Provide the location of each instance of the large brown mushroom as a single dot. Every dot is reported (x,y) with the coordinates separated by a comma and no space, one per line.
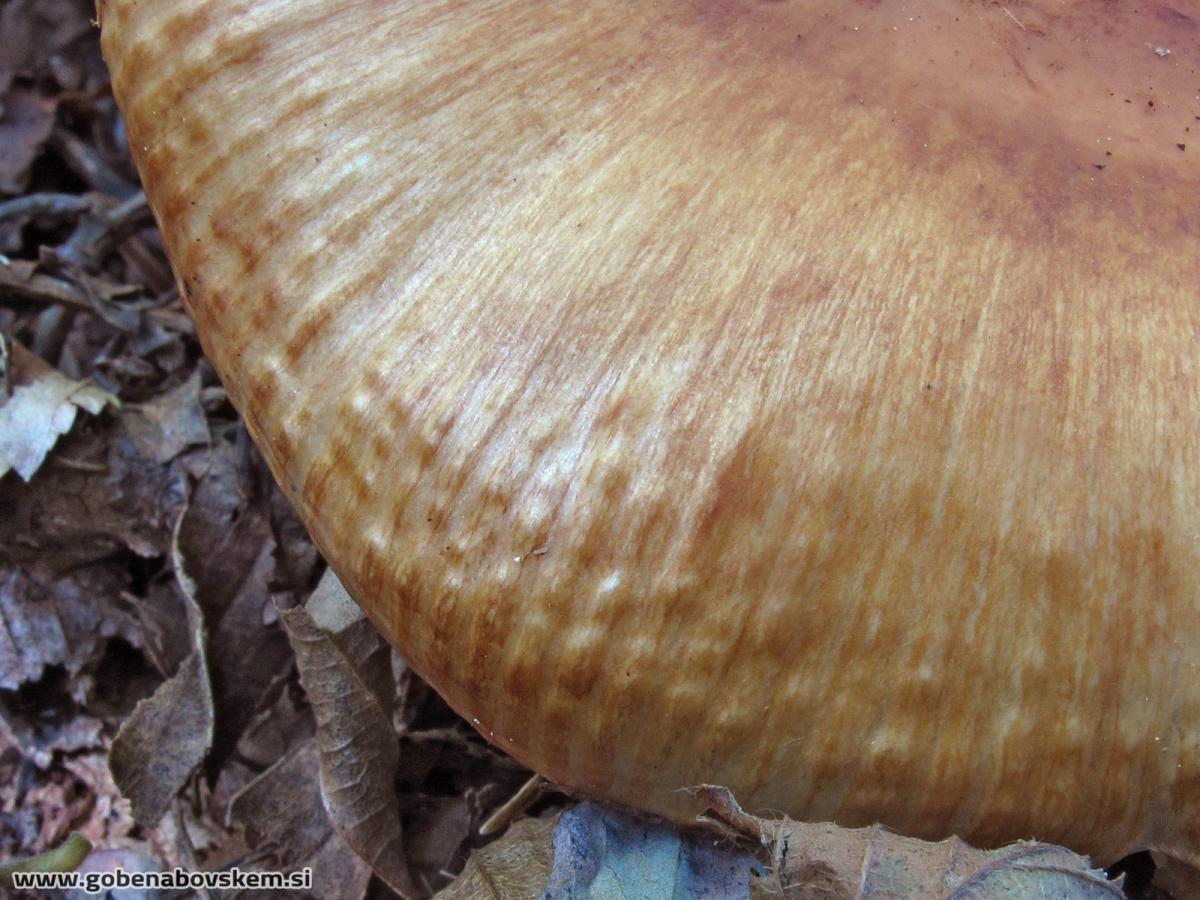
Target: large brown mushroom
(797,396)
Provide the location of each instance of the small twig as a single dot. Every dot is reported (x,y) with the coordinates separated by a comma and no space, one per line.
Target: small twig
(56,206)
(48,290)
(87,164)
(42,289)
(77,465)
(520,801)
(102,231)
(5,367)
(50,330)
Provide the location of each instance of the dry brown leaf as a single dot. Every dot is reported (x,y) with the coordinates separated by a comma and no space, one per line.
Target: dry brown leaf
(169,733)
(1176,877)
(163,742)
(820,861)
(56,621)
(56,730)
(286,721)
(281,810)
(26,120)
(226,524)
(109,822)
(104,498)
(335,612)
(246,652)
(165,426)
(339,872)
(359,753)
(282,813)
(41,409)
(514,867)
(31,635)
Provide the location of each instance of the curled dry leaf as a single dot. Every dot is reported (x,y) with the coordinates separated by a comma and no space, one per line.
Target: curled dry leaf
(169,733)
(340,617)
(246,654)
(42,407)
(226,524)
(359,753)
(283,815)
(810,860)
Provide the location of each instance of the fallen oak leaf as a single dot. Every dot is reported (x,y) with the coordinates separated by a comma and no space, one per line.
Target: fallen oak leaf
(359,751)
(42,407)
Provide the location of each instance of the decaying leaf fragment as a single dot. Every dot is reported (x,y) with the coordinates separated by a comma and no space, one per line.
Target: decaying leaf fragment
(282,813)
(359,753)
(169,733)
(26,120)
(42,408)
(518,865)
(821,860)
(163,427)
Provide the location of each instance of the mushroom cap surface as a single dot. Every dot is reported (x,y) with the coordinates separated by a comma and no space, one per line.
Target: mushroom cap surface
(798,397)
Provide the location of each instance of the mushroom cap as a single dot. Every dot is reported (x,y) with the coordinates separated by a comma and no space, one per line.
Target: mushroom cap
(793,396)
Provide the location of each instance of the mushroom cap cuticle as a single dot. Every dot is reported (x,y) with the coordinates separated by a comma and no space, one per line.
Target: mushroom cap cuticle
(797,397)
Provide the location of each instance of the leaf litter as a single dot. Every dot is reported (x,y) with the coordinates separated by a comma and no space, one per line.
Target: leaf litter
(178,683)
(357,746)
